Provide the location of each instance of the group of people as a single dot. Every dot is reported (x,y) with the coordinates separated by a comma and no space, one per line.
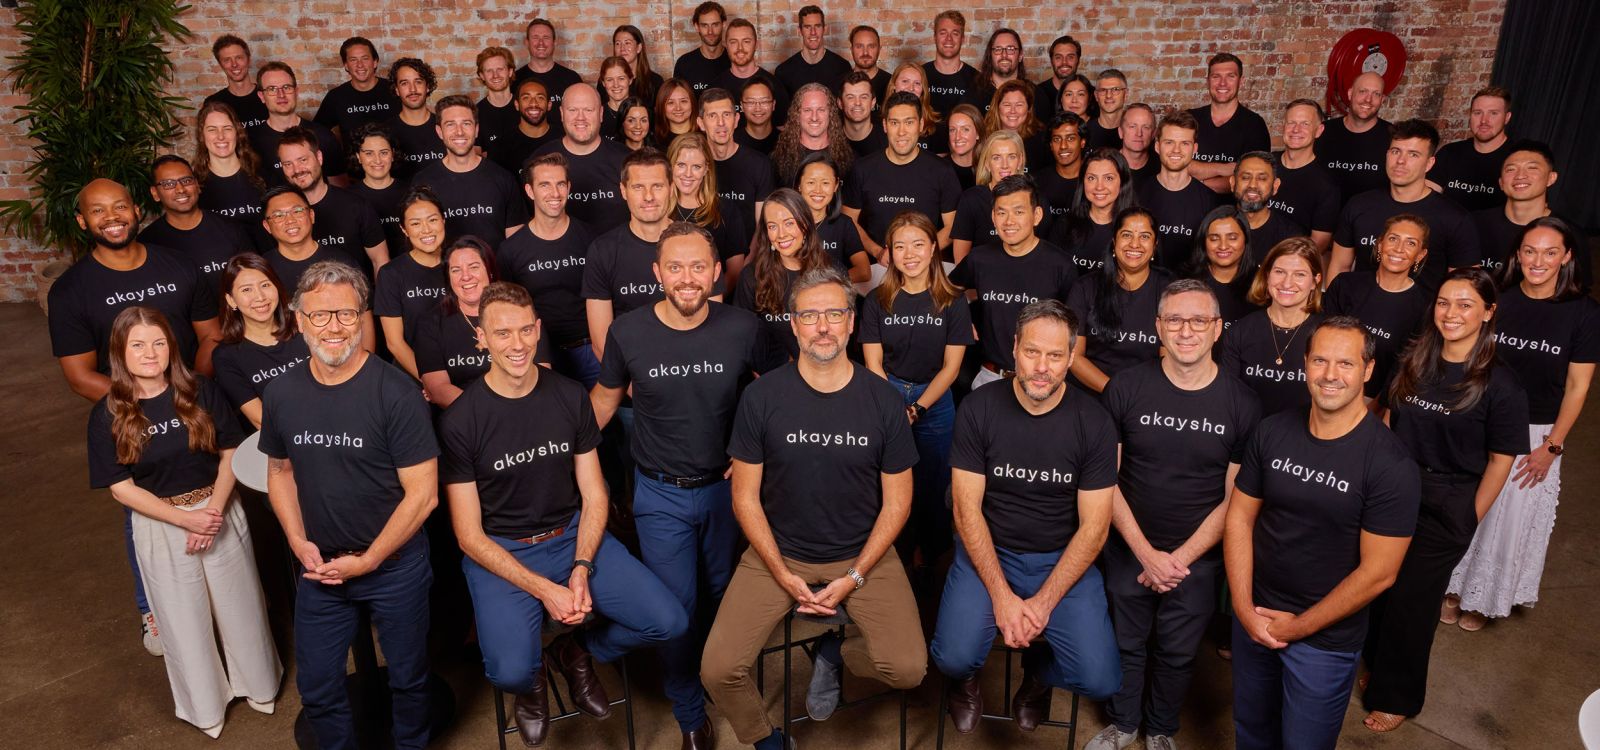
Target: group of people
(973,324)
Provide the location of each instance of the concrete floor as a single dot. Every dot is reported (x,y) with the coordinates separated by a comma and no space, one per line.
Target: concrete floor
(72,673)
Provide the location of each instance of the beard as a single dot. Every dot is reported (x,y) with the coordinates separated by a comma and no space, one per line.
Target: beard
(688,310)
(1250,207)
(1040,395)
(331,359)
(105,242)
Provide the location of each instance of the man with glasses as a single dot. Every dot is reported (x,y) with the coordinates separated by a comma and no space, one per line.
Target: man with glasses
(1002,61)
(206,239)
(276,86)
(351,473)
(756,104)
(289,220)
(1111,92)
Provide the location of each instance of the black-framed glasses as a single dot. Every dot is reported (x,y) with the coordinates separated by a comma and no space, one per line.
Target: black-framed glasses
(321,318)
(170,184)
(1197,323)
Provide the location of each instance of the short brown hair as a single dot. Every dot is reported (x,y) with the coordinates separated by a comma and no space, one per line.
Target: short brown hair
(492,52)
(508,293)
(456,100)
(1499,92)
(951,15)
(1178,119)
(275,65)
(1300,247)
(709,6)
(1225,57)
(225,41)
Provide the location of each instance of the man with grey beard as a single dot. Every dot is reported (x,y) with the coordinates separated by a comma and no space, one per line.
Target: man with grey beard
(351,473)
(1254,183)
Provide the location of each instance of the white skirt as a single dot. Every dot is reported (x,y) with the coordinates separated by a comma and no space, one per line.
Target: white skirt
(1502,568)
(191,594)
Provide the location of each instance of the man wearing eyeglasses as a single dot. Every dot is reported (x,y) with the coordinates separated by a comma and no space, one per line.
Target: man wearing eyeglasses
(344,220)
(289,219)
(204,238)
(1002,61)
(277,88)
(352,471)
(1182,424)
(822,456)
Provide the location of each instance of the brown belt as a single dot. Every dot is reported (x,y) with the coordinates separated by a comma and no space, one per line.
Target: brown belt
(994,368)
(188,498)
(536,538)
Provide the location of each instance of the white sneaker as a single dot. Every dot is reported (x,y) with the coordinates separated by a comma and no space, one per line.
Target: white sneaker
(266,707)
(152,635)
(1159,742)
(1112,738)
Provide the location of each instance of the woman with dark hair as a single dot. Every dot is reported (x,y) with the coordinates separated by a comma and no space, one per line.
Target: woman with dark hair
(259,337)
(1463,417)
(1001,155)
(1011,108)
(818,181)
(675,110)
(1077,97)
(162,440)
(228,170)
(695,199)
(449,355)
(786,247)
(627,42)
(1389,303)
(634,129)
(1549,334)
(914,330)
(1117,304)
(1105,192)
(410,286)
(615,83)
(1267,349)
(1222,259)
(372,169)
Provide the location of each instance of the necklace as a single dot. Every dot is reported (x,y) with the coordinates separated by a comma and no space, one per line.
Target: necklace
(1272,327)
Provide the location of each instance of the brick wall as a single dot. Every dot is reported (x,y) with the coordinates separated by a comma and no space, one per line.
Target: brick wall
(1162,46)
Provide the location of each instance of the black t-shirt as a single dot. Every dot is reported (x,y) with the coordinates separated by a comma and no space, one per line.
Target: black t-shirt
(1232,300)
(743,180)
(1030,493)
(483,202)
(514,148)
(552,272)
(1134,340)
(822,457)
(1246,131)
(876,140)
(1146,173)
(1056,193)
(974,216)
(408,290)
(419,144)
(1089,253)
(1317,497)
(209,245)
(1250,352)
(289,271)
(265,142)
(761,145)
(1100,136)
(595,177)
(1447,440)
(1308,195)
(829,71)
(347,109)
(700,71)
(1004,285)
(1393,318)
(880,84)
(726,79)
(88,297)
(249,110)
(880,189)
(840,240)
(1498,243)
(1354,160)
(776,333)
(619,269)
(946,91)
(556,81)
(236,199)
(1176,447)
(347,443)
(1539,338)
(1277,228)
(966,177)
(1468,177)
(166,467)
(496,124)
(1452,237)
(685,384)
(729,236)
(385,203)
(1178,214)
(346,223)
(244,369)
(448,343)
(913,335)
(521,452)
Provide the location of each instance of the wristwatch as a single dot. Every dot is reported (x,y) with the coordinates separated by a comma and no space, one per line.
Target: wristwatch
(920,410)
(585,564)
(860,580)
(1555,448)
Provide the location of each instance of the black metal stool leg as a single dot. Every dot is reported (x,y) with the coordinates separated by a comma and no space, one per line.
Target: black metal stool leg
(1072,732)
(627,698)
(903,700)
(944,709)
(788,645)
(500,717)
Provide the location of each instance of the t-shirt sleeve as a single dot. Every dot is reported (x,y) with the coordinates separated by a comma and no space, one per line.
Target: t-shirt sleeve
(1344,232)
(949,188)
(588,437)
(1115,399)
(851,196)
(70,331)
(1586,342)
(1247,410)
(1325,213)
(1464,248)
(870,327)
(1257,137)
(850,244)
(1333,300)
(428,349)
(961,275)
(1508,417)
(223,416)
(203,303)
(966,223)
(230,378)
(1097,469)
(597,273)
(899,446)
(966,447)
(457,459)
(958,323)
(371,229)
(386,293)
(410,428)
(516,202)
(613,364)
(104,470)
(271,443)
(1229,361)
(1079,301)
(1391,499)
(747,442)
(1249,479)
(325,115)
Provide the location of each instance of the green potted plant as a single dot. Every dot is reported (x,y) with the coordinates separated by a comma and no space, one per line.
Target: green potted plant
(96,77)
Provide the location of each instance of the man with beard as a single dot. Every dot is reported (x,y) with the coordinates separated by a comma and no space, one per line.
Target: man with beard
(822,456)
(533,127)
(859,106)
(498,115)
(1467,171)
(288,219)
(1111,93)
(1002,61)
(1322,511)
(1175,197)
(1137,132)
(901,177)
(476,195)
(276,88)
(684,359)
(814,63)
(1032,516)
(1306,192)
(745,176)
(542,65)
(344,222)
(415,128)
(593,163)
(950,81)
(1226,128)
(701,65)
(1065,53)
(743,46)
(207,240)
(1254,183)
(364,98)
(233,56)
(1351,147)
(864,49)
(351,474)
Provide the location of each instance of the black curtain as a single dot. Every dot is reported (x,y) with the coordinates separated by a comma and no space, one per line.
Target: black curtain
(1550,60)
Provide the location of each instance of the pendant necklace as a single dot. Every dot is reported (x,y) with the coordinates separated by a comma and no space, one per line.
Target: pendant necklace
(1273,327)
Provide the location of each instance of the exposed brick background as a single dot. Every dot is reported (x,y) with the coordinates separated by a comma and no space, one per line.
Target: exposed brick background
(1162,46)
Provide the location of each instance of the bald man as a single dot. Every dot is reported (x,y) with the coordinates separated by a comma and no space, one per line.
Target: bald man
(1352,147)
(594,164)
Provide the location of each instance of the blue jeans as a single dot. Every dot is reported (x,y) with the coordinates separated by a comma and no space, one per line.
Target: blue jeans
(637,609)
(929,526)
(687,536)
(139,599)
(1079,634)
(577,363)
(396,594)
(1293,697)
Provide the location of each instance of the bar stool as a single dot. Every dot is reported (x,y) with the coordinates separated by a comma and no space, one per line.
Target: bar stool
(552,629)
(1071,724)
(822,626)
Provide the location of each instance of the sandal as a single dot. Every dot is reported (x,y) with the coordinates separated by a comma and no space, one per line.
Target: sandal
(1450,610)
(1381,722)
(1472,622)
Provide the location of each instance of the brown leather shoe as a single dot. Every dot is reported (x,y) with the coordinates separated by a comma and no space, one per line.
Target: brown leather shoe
(966,704)
(703,738)
(583,685)
(1031,704)
(532,713)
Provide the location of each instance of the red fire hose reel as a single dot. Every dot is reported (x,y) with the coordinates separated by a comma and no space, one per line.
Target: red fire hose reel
(1363,51)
